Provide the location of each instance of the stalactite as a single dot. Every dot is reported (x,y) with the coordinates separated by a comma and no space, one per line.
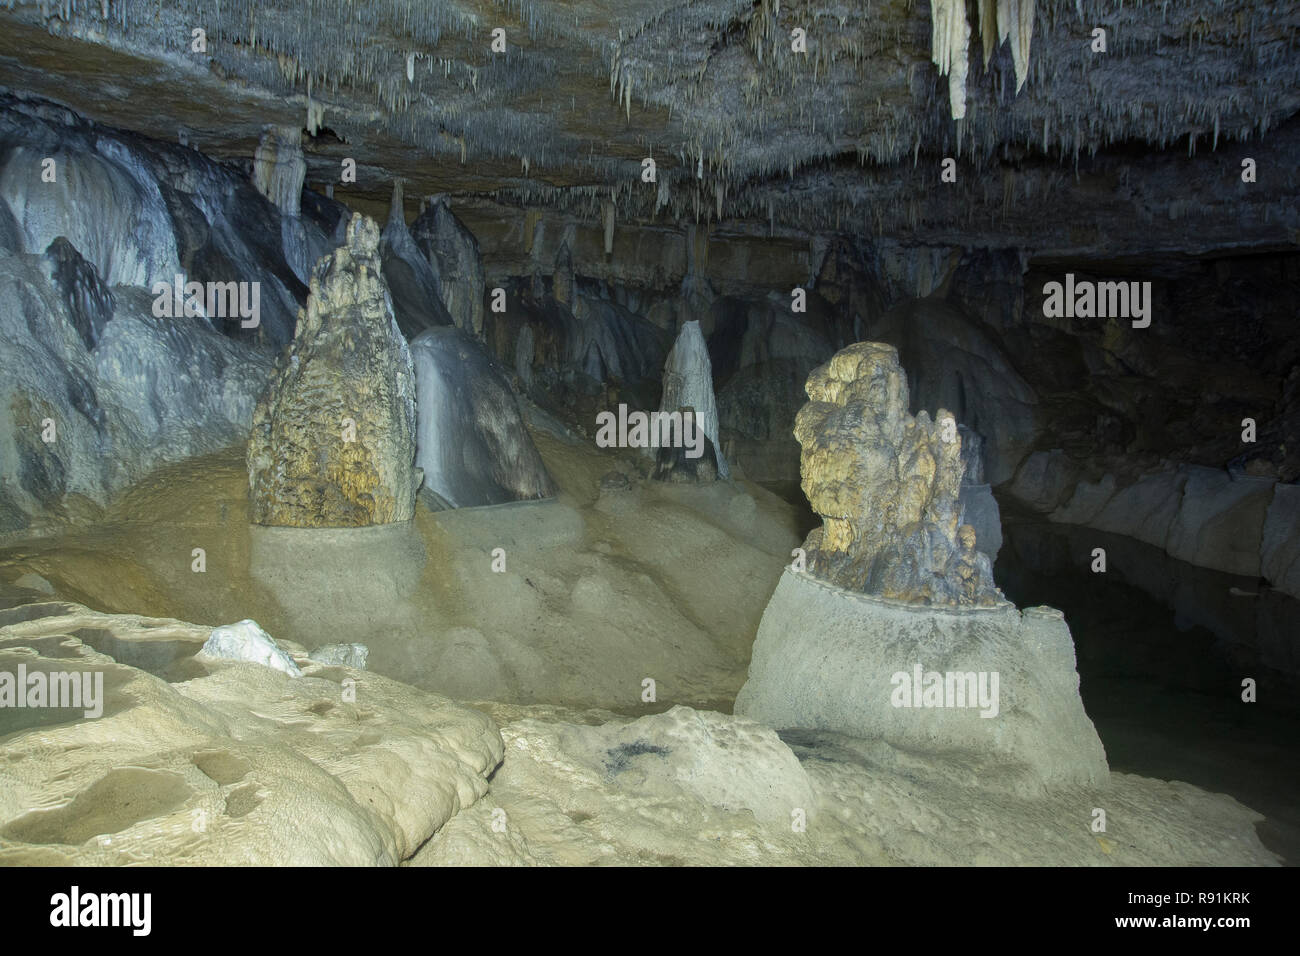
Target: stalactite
(949,46)
(1016,22)
(988,28)
(608,214)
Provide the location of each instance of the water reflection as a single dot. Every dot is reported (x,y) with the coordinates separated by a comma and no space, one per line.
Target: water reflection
(1163,647)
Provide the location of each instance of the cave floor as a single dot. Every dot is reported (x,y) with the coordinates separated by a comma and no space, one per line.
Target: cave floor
(602,589)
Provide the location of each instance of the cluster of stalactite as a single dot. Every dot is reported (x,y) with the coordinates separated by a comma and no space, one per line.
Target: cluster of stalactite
(1000,21)
(743,123)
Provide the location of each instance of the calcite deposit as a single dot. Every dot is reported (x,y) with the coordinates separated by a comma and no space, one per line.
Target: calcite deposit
(886,485)
(333,439)
(199,760)
(688,390)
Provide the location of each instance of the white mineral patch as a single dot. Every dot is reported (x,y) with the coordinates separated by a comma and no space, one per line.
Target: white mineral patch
(245,641)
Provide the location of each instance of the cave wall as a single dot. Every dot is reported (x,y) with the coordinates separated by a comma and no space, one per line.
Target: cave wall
(1080,419)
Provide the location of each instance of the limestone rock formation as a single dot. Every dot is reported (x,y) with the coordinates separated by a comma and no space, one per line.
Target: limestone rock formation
(889,107)
(279,168)
(410,278)
(471,441)
(89,302)
(129,238)
(994,684)
(336,767)
(886,486)
(578,351)
(349,655)
(453,252)
(1208,517)
(95,392)
(160,209)
(587,789)
(333,439)
(279,171)
(688,384)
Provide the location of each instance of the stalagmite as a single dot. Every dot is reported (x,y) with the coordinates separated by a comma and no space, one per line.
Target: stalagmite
(688,384)
(348,363)
(886,485)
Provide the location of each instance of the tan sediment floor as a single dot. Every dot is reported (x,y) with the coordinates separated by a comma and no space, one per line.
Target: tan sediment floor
(195,760)
(601,589)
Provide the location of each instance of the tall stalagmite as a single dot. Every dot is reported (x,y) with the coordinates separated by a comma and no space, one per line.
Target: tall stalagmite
(688,383)
(333,439)
(886,485)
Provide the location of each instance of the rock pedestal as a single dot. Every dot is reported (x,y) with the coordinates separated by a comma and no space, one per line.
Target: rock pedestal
(996,685)
(930,658)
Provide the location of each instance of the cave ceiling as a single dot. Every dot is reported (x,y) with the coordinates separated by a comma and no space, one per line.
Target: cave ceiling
(1131,151)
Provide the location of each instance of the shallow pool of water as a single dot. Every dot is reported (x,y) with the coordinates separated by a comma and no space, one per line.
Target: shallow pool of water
(1163,648)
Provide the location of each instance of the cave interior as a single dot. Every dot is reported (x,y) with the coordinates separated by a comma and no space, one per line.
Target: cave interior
(338,339)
